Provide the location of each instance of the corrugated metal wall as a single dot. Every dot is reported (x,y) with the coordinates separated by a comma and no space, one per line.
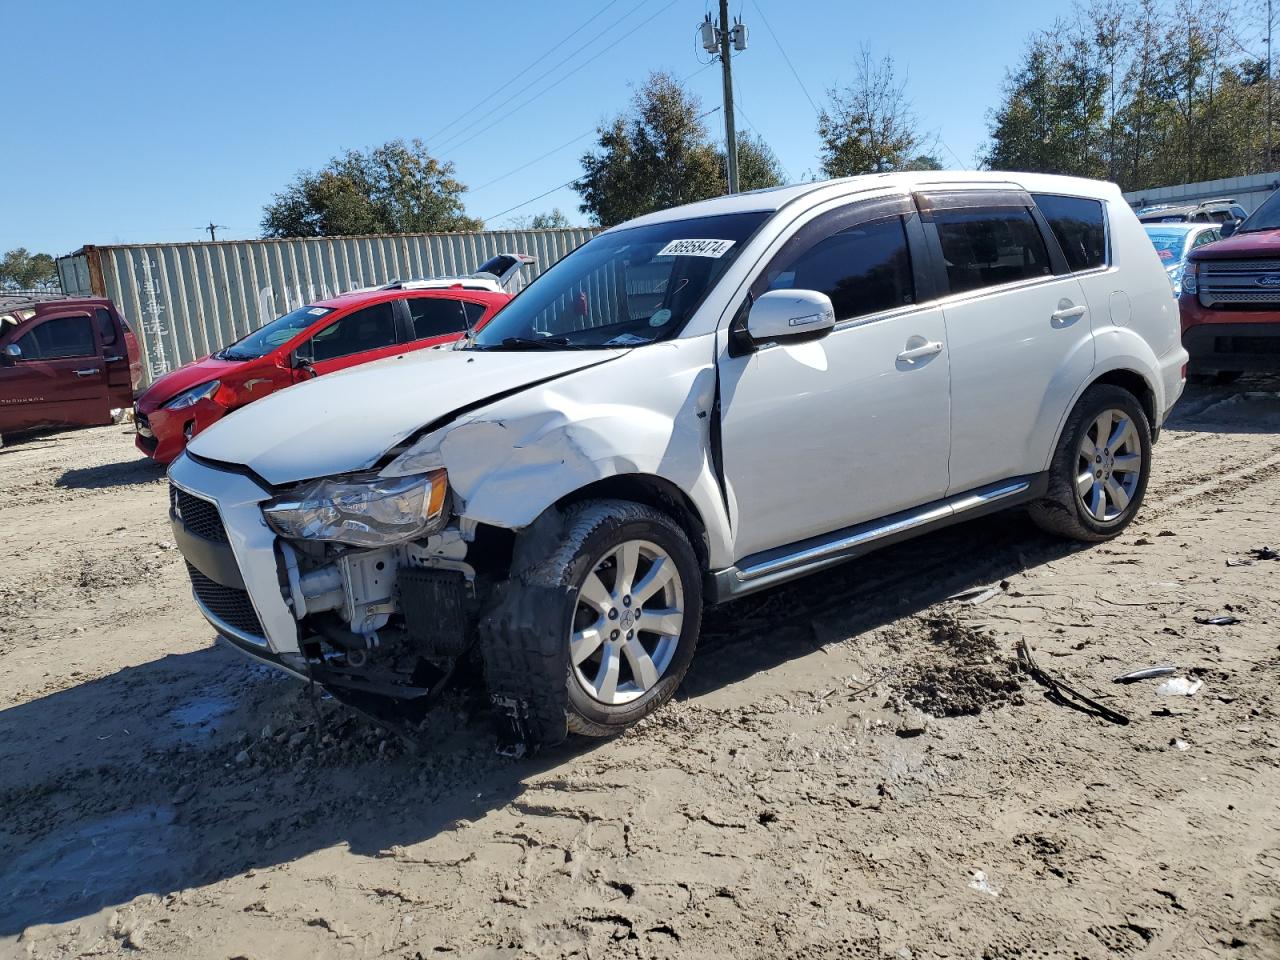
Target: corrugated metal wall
(188,299)
(1249,192)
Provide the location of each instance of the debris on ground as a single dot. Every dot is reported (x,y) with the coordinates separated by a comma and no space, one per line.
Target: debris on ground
(1146,673)
(976,595)
(979,880)
(1179,687)
(1264,553)
(1059,692)
(1222,621)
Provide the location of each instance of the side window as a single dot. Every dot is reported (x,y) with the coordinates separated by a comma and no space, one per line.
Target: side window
(435,317)
(1080,228)
(474,312)
(58,339)
(366,329)
(864,269)
(986,248)
(106,326)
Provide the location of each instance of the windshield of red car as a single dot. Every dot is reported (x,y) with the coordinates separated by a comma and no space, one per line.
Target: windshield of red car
(279,331)
(1266,217)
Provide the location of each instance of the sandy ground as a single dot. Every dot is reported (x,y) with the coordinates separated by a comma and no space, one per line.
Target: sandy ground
(161,797)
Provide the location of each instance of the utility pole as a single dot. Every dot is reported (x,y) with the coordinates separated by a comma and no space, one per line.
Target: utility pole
(721,40)
(213,229)
(1270,22)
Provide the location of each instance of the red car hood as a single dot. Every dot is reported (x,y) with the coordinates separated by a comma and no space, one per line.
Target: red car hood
(184,378)
(1264,243)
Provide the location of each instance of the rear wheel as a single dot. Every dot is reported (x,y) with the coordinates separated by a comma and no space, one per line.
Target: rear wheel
(1099,472)
(637,610)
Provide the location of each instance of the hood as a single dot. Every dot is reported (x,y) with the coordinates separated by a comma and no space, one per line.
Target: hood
(1263,243)
(184,378)
(345,421)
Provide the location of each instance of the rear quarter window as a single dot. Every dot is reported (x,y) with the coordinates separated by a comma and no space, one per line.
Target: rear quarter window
(1080,227)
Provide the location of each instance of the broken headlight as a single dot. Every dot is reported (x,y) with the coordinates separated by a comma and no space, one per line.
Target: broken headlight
(369,511)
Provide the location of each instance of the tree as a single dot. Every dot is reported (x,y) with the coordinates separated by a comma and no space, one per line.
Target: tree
(553,220)
(395,188)
(23,270)
(758,167)
(871,126)
(654,157)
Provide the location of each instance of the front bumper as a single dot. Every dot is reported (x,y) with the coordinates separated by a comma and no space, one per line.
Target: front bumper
(1216,347)
(163,433)
(217,521)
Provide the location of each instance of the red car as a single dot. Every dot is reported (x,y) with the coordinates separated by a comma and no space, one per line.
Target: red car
(318,338)
(64,363)
(1230,302)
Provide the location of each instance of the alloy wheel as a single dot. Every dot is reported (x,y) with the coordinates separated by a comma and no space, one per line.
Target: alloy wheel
(627,622)
(1109,466)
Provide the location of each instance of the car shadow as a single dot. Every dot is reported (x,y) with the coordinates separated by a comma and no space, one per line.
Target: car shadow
(170,774)
(122,474)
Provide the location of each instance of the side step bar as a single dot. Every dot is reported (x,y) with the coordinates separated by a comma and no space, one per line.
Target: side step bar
(773,567)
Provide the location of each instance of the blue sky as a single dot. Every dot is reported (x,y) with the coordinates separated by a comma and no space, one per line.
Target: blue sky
(148,119)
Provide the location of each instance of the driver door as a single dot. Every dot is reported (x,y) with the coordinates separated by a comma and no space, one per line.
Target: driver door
(357,337)
(826,434)
(59,380)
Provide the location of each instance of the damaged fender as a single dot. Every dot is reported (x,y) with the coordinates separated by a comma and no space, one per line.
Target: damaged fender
(512,459)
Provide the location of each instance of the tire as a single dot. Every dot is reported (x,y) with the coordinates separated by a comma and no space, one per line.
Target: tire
(1073,512)
(590,546)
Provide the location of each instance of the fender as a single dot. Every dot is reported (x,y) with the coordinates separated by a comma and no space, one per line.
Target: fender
(1121,349)
(514,458)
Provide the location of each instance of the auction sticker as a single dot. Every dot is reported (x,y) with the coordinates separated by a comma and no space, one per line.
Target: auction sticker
(695,248)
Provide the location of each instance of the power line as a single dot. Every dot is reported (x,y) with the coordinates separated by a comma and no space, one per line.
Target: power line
(545,90)
(783,51)
(567,183)
(523,166)
(451,142)
(556,46)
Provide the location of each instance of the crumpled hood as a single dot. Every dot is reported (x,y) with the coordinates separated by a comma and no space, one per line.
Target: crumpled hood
(346,421)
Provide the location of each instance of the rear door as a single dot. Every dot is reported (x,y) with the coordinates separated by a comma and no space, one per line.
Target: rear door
(115,357)
(59,379)
(354,338)
(434,320)
(1018,331)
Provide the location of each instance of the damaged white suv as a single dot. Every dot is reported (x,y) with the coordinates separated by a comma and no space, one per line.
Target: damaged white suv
(694,405)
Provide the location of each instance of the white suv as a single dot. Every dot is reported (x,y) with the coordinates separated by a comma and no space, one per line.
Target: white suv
(694,405)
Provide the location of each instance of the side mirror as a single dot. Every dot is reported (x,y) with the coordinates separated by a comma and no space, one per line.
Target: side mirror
(11,353)
(1228,228)
(302,363)
(790,316)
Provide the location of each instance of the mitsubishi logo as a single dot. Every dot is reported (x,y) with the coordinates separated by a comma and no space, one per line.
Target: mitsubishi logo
(1269,280)
(177,506)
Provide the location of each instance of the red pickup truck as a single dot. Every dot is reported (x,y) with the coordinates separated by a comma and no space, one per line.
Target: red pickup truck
(1230,302)
(65,363)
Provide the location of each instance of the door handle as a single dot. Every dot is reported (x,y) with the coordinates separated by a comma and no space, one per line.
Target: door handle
(111,359)
(929,349)
(1068,314)
(87,371)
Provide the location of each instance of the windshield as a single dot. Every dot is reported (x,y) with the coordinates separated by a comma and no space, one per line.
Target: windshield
(622,289)
(1169,244)
(280,330)
(1266,217)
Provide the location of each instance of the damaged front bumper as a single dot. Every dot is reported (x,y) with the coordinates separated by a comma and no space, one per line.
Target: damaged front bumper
(318,620)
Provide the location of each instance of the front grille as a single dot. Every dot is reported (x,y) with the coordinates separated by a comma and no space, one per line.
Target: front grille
(200,517)
(233,607)
(1255,283)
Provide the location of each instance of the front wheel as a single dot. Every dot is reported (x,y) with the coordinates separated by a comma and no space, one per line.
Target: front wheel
(1099,472)
(637,611)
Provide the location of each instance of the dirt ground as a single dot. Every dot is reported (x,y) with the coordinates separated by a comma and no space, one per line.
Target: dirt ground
(161,797)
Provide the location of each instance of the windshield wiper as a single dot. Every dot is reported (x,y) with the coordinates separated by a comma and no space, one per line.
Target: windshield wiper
(540,343)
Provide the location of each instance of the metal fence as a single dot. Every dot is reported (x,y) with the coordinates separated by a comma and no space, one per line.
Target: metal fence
(186,300)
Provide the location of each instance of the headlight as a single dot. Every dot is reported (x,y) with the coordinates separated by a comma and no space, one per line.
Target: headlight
(189,398)
(362,511)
